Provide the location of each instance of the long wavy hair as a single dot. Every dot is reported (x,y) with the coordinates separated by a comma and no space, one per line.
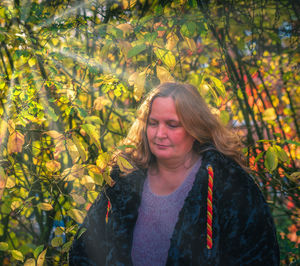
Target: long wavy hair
(196,118)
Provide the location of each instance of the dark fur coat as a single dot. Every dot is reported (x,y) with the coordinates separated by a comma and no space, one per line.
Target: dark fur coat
(243,229)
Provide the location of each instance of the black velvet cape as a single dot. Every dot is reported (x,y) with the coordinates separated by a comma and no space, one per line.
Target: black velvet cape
(243,229)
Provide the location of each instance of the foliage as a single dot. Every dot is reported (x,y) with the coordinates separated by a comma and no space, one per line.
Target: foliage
(73,73)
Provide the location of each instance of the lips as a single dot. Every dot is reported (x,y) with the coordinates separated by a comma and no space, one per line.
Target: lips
(161,146)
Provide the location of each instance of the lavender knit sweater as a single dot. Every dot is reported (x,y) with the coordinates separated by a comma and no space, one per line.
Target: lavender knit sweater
(156,221)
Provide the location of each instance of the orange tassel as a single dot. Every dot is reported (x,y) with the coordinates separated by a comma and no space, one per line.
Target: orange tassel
(107,211)
(209,207)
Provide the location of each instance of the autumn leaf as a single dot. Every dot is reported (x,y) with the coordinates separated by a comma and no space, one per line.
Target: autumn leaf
(88,182)
(93,133)
(82,152)
(45,206)
(53,166)
(17,255)
(163,74)
(124,164)
(15,142)
(3,246)
(76,215)
(172,40)
(166,56)
(41,258)
(30,262)
(72,149)
(3,178)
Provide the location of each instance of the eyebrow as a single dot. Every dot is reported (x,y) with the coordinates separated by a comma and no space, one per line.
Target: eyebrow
(169,120)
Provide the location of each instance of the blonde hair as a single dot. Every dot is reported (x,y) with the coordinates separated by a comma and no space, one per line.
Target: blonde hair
(196,118)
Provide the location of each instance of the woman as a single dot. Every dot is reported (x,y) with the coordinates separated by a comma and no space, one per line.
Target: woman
(188,201)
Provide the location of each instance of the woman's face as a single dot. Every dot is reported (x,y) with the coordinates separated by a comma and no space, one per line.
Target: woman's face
(166,136)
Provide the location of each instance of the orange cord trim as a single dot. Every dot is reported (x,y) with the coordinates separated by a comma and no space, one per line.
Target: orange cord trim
(209,242)
(107,211)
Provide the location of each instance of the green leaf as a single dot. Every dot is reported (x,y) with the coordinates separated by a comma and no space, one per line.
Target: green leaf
(66,246)
(271,160)
(52,114)
(17,255)
(136,50)
(219,86)
(93,133)
(81,231)
(80,148)
(282,156)
(188,29)
(41,258)
(3,246)
(57,241)
(225,117)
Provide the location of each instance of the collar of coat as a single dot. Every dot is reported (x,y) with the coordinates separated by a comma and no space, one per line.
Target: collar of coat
(125,198)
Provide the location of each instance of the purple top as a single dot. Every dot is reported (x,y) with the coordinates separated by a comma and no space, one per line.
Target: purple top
(156,222)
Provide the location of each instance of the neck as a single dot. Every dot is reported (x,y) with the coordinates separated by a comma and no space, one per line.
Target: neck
(175,166)
(167,175)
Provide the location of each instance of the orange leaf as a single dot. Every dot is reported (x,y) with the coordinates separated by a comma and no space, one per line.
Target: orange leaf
(15,142)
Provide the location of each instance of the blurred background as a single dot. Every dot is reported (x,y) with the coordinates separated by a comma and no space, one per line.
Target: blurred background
(73,72)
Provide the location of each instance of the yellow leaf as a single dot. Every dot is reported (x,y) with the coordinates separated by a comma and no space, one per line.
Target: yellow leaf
(163,74)
(10,182)
(31,62)
(72,149)
(15,205)
(78,198)
(128,3)
(55,41)
(191,44)
(124,164)
(11,126)
(93,133)
(3,130)
(17,255)
(88,182)
(29,262)
(100,102)
(92,196)
(102,160)
(53,166)
(76,215)
(15,142)
(172,40)
(3,246)
(132,78)
(139,85)
(45,206)
(167,57)
(80,148)
(108,179)
(125,27)
(54,134)
(269,114)
(41,258)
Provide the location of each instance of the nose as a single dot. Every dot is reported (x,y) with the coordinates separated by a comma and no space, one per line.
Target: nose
(161,131)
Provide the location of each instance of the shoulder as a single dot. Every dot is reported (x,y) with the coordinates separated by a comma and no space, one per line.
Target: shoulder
(231,181)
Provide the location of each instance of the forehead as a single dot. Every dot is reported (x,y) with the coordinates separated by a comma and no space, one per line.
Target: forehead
(163,108)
